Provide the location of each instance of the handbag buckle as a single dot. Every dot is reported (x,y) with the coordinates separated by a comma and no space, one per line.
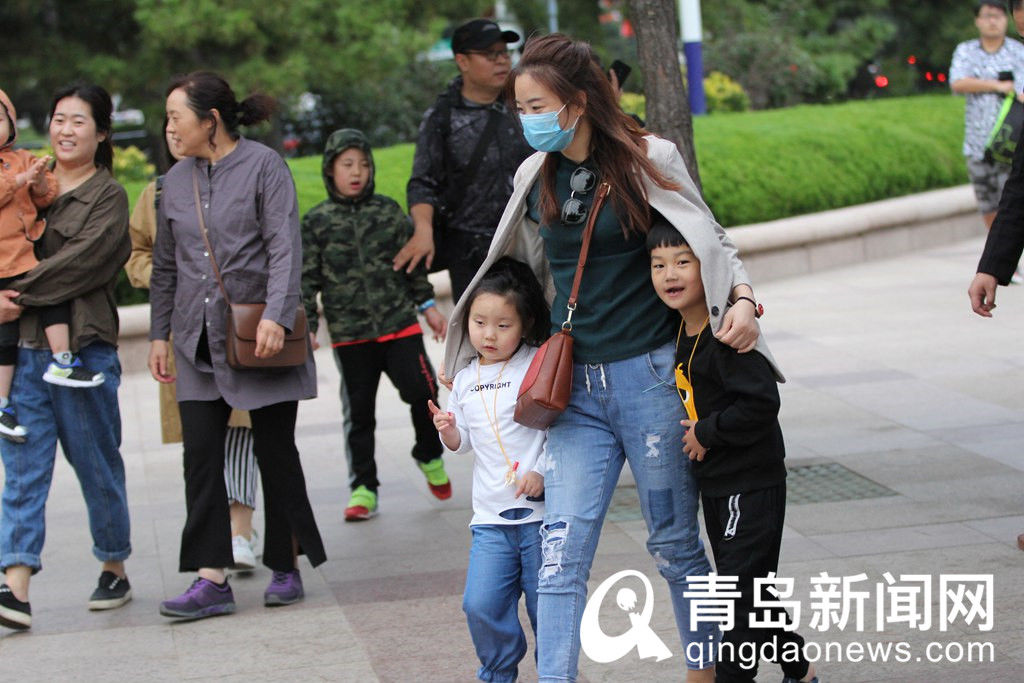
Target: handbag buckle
(567,325)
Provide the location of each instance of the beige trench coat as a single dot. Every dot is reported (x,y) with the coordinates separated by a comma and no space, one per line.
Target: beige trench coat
(518,236)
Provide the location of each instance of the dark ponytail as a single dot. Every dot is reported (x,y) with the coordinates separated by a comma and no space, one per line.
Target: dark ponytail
(102,109)
(207,91)
(256,108)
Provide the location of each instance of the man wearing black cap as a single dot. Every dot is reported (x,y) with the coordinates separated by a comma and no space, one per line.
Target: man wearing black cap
(468,150)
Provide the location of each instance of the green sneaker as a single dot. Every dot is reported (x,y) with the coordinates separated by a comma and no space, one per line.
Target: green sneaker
(437,478)
(362,504)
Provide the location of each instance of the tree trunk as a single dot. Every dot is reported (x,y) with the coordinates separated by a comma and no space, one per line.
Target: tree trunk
(668,109)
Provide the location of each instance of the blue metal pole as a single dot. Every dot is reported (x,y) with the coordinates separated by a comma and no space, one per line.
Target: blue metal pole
(553,16)
(691,30)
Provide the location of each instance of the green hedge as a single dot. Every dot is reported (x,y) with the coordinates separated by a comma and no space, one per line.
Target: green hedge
(759,166)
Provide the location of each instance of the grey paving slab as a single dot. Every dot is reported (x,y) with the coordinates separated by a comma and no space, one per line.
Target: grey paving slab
(891,377)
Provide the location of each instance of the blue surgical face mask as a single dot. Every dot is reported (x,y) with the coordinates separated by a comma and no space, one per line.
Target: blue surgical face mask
(543,132)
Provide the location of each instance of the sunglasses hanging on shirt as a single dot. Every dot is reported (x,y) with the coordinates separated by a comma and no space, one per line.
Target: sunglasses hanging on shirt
(581,182)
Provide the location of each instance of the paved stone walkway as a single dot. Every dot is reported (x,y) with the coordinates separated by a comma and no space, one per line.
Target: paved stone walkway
(890,378)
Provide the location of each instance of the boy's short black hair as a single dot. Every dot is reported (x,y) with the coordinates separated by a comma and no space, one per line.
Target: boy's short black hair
(1013,5)
(998,4)
(663,234)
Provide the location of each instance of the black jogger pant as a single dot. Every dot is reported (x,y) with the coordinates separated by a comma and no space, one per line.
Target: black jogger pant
(206,539)
(745,531)
(405,363)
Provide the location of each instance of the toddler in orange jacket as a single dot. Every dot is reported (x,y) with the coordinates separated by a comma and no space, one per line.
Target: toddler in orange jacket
(26,185)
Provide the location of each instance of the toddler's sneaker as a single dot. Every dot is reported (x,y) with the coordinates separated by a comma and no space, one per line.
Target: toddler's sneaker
(362,504)
(9,427)
(437,478)
(14,613)
(74,374)
(244,551)
(112,591)
(203,599)
(285,589)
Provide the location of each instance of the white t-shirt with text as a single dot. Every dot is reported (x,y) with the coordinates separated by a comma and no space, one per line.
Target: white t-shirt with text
(491,497)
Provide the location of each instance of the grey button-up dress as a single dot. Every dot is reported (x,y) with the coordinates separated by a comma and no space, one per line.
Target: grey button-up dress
(251,213)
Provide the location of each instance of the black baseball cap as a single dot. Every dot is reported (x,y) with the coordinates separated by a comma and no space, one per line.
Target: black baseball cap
(479,34)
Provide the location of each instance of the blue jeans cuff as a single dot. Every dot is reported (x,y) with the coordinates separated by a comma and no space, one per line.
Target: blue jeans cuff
(505,676)
(29,560)
(114,556)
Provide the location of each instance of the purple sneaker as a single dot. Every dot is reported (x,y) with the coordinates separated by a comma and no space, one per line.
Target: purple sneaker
(203,599)
(285,588)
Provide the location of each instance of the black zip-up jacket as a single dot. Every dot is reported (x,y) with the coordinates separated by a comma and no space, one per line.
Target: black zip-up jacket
(737,401)
(446,147)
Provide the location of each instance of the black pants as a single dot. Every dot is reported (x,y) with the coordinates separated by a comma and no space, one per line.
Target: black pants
(10,332)
(745,531)
(406,364)
(206,539)
(465,252)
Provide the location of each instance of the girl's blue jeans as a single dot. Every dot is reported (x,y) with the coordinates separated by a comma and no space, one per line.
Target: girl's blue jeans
(87,423)
(503,564)
(622,411)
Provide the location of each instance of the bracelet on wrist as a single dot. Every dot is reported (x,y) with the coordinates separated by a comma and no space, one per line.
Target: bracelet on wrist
(429,303)
(758,308)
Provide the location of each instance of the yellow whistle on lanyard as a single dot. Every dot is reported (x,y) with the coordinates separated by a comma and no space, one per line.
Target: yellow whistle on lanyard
(685,390)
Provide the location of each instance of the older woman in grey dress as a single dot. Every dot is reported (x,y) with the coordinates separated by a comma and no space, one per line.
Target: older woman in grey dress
(248,202)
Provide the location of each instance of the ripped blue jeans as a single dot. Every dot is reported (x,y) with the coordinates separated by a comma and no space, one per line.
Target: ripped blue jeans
(626,410)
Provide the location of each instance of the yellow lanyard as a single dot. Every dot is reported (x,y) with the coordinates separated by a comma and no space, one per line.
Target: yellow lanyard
(510,474)
(683,385)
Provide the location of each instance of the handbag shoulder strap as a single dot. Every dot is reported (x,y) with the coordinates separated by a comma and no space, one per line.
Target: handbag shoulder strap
(588,232)
(206,237)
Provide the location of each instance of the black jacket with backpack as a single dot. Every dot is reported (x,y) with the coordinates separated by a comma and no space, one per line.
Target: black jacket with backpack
(445,148)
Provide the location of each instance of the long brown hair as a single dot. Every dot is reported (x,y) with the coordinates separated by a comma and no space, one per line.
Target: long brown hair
(569,69)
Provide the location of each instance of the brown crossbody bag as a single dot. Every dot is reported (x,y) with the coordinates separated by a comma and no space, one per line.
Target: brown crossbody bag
(547,385)
(244,319)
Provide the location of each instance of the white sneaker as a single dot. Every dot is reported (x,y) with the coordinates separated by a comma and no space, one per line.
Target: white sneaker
(241,548)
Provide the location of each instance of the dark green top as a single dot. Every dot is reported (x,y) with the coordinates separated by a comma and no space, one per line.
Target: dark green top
(618,315)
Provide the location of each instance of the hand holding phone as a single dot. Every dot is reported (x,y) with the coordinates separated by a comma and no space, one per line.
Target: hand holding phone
(621,71)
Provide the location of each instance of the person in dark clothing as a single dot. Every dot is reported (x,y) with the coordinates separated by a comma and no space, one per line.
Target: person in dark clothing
(735,444)
(347,244)
(467,152)
(1005,241)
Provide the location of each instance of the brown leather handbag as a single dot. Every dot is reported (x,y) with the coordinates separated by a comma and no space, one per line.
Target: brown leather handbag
(244,319)
(544,393)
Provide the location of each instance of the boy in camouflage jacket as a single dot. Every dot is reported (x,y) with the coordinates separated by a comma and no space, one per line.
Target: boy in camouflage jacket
(348,243)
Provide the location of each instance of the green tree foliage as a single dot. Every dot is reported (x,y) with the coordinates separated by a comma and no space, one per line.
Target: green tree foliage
(48,43)
(366,53)
(788,51)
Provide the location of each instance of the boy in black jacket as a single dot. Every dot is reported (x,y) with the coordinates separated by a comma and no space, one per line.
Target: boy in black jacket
(735,445)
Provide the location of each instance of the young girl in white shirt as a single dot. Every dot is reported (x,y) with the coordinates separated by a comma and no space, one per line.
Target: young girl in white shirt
(507,320)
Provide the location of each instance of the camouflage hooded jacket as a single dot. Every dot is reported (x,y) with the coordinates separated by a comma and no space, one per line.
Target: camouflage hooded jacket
(348,245)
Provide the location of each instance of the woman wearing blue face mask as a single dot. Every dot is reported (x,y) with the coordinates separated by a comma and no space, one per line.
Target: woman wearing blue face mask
(623,404)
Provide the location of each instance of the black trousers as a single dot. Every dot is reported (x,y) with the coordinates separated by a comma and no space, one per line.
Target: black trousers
(405,363)
(745,531)
(10,332)
(206,539)
(465,252)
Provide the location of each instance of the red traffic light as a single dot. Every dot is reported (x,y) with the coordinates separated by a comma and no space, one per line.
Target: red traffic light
(911,59)
(881,81)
